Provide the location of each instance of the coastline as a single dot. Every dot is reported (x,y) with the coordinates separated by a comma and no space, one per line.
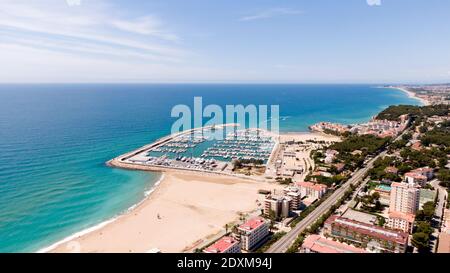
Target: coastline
(213,201)
(65,245)
(412,95)
(166,197)
(102,224)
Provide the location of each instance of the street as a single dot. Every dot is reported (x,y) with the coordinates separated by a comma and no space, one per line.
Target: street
(286,241)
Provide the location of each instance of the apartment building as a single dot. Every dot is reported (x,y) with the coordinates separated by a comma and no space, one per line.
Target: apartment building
(371,237)
(401,221)
(312,189)
(253,232)
(405,198)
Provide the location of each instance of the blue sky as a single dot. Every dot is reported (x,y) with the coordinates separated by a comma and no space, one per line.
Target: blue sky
(287,41)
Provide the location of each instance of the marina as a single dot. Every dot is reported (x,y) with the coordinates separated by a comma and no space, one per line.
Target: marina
(210,149)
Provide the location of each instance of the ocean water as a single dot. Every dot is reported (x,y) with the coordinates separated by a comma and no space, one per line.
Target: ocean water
(55,140)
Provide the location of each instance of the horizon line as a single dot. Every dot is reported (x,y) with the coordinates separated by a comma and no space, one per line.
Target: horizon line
(229,83)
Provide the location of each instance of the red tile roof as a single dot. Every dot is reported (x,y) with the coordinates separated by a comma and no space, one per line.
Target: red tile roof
(314,186)
(391,170)
(401,185)
(404,216)
(319,244)
(416,175)
(221,245)
(370,230)
(423,170)
(253,224)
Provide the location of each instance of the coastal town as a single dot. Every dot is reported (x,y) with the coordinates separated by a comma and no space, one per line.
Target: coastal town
(399,205)
(432,94)
(375,187)
(225,136)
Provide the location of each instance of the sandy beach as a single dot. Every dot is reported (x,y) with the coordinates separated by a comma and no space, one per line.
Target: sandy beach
(191,208)
(185,211)
(413,95)
(316,136)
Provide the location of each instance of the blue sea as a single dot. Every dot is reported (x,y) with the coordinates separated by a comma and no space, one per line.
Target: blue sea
(55,140)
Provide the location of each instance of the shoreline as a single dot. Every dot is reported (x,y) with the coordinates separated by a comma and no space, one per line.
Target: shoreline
(148,194)
(169,200)
(412,95)
(104,223)
(153,195)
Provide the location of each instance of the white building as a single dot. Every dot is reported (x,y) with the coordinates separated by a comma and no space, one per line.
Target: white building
(330,155)
(414,178)
(404,198)
(401,221)
(312,189)
(277,206)
(253,232)
(427,172)
(296,199)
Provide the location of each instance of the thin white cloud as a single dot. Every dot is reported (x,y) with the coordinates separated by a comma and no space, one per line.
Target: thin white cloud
(49,66)
(148,25)
(84,48)
(270,14)
(96,29)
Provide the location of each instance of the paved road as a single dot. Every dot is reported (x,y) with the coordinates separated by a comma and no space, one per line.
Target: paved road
(439,211)
(442,198)
(286,241)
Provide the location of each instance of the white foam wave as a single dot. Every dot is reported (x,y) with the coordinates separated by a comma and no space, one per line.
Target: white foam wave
(104,223)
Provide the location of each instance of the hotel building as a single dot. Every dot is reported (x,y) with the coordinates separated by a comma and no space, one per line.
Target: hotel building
(224,245)
(277,206)
(295,195)
(312,189)
(296,200)
(401,221)
(253,232)
(371,237)
(405,198)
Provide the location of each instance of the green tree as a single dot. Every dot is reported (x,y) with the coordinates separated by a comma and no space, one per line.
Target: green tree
(444,177)
(381,221)
(427,212)
(421,241)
